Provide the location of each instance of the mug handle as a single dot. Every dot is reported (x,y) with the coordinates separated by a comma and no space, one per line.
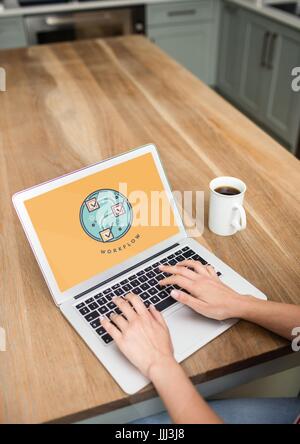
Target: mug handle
(239,221)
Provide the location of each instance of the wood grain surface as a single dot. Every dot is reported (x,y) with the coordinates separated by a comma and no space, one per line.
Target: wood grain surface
(73,104)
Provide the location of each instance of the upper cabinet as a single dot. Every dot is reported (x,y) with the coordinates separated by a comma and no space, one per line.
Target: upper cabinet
(256,73)
(188,31)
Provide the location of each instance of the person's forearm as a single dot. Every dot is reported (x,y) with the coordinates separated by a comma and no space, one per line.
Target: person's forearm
(184,404)
(277,317)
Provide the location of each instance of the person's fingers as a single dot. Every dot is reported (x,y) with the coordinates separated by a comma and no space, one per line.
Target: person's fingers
(119,321)
(125,307)
(182,271)
(181,281)
(158,316)
(111,329)
(212,272)
(196,265)
(136,303)
(190,301)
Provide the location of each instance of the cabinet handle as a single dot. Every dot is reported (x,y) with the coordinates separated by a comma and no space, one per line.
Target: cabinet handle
(264,48)
(271,51)
(183,12)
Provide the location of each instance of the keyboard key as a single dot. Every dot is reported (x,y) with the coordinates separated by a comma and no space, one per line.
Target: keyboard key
(180,258)
(155,265)
(165,303)
(98,296)
(163,260)
(148,268)
(150,274)
(172,262)
(160,277)
(80,305)
(135,283)
(124,282)
(145,295)
(145,286)
(102,301)
(103,310)
(163,294)
(154,299)
(84,310)
(188,253)
(114,287)
(91,316)
(93,306)
(147,304)
(100,331)
(137,290)
(108,290)
(107,338)
(131,278)
(171,256)
(95,323)
(185,248)
(127,287)
(118,311)
(152,282)
(177,253)
(166,274)
(111,305)
(196,257)
(142,278)
(140,273)
(152,291)
(109,296)
(119,292)
(88,301)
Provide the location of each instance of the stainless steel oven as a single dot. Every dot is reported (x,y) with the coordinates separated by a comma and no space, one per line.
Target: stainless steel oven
(59,27)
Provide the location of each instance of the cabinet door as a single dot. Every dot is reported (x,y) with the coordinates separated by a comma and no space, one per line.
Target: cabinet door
(12,33)
(230,46)
(282,104)
(254,53)
(192,45)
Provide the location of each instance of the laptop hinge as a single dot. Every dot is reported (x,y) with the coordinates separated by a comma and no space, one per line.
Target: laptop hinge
(126,271)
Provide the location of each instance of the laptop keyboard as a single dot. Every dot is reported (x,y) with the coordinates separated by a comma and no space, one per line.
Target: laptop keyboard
(144,283)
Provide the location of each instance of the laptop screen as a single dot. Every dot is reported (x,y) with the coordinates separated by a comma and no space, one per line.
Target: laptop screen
(94,223)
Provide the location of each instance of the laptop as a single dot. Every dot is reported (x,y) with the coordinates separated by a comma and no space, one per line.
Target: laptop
(93,238)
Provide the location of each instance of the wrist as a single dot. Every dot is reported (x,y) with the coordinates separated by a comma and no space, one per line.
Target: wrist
(161,367)
(244,306)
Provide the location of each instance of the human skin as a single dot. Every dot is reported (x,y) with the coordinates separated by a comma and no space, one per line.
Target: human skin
(143,337)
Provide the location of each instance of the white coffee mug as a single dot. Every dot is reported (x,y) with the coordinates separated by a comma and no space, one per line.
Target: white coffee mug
(226,212)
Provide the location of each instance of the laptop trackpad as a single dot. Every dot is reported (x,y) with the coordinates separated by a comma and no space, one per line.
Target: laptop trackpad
(190,331)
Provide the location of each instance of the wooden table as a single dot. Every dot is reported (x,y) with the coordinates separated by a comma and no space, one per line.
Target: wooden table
(70,105)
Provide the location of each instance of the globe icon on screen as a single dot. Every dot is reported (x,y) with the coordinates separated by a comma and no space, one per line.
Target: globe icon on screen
(106,215)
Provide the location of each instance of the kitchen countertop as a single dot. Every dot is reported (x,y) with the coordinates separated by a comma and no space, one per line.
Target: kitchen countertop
(73,104)
(253,5)
(261,7)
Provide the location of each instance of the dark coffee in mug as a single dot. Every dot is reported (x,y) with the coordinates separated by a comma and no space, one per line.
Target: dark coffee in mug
(227,190)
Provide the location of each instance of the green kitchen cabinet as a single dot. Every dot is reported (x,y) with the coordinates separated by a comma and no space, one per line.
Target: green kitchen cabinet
(187,31)
(281,108)
(260,81)
(254,49)
(12,33)
(230,49)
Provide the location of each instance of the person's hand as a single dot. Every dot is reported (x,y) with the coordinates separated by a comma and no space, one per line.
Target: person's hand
(142,335)
(202,290)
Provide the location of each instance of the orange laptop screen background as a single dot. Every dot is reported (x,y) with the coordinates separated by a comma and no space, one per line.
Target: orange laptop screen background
(88,226)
